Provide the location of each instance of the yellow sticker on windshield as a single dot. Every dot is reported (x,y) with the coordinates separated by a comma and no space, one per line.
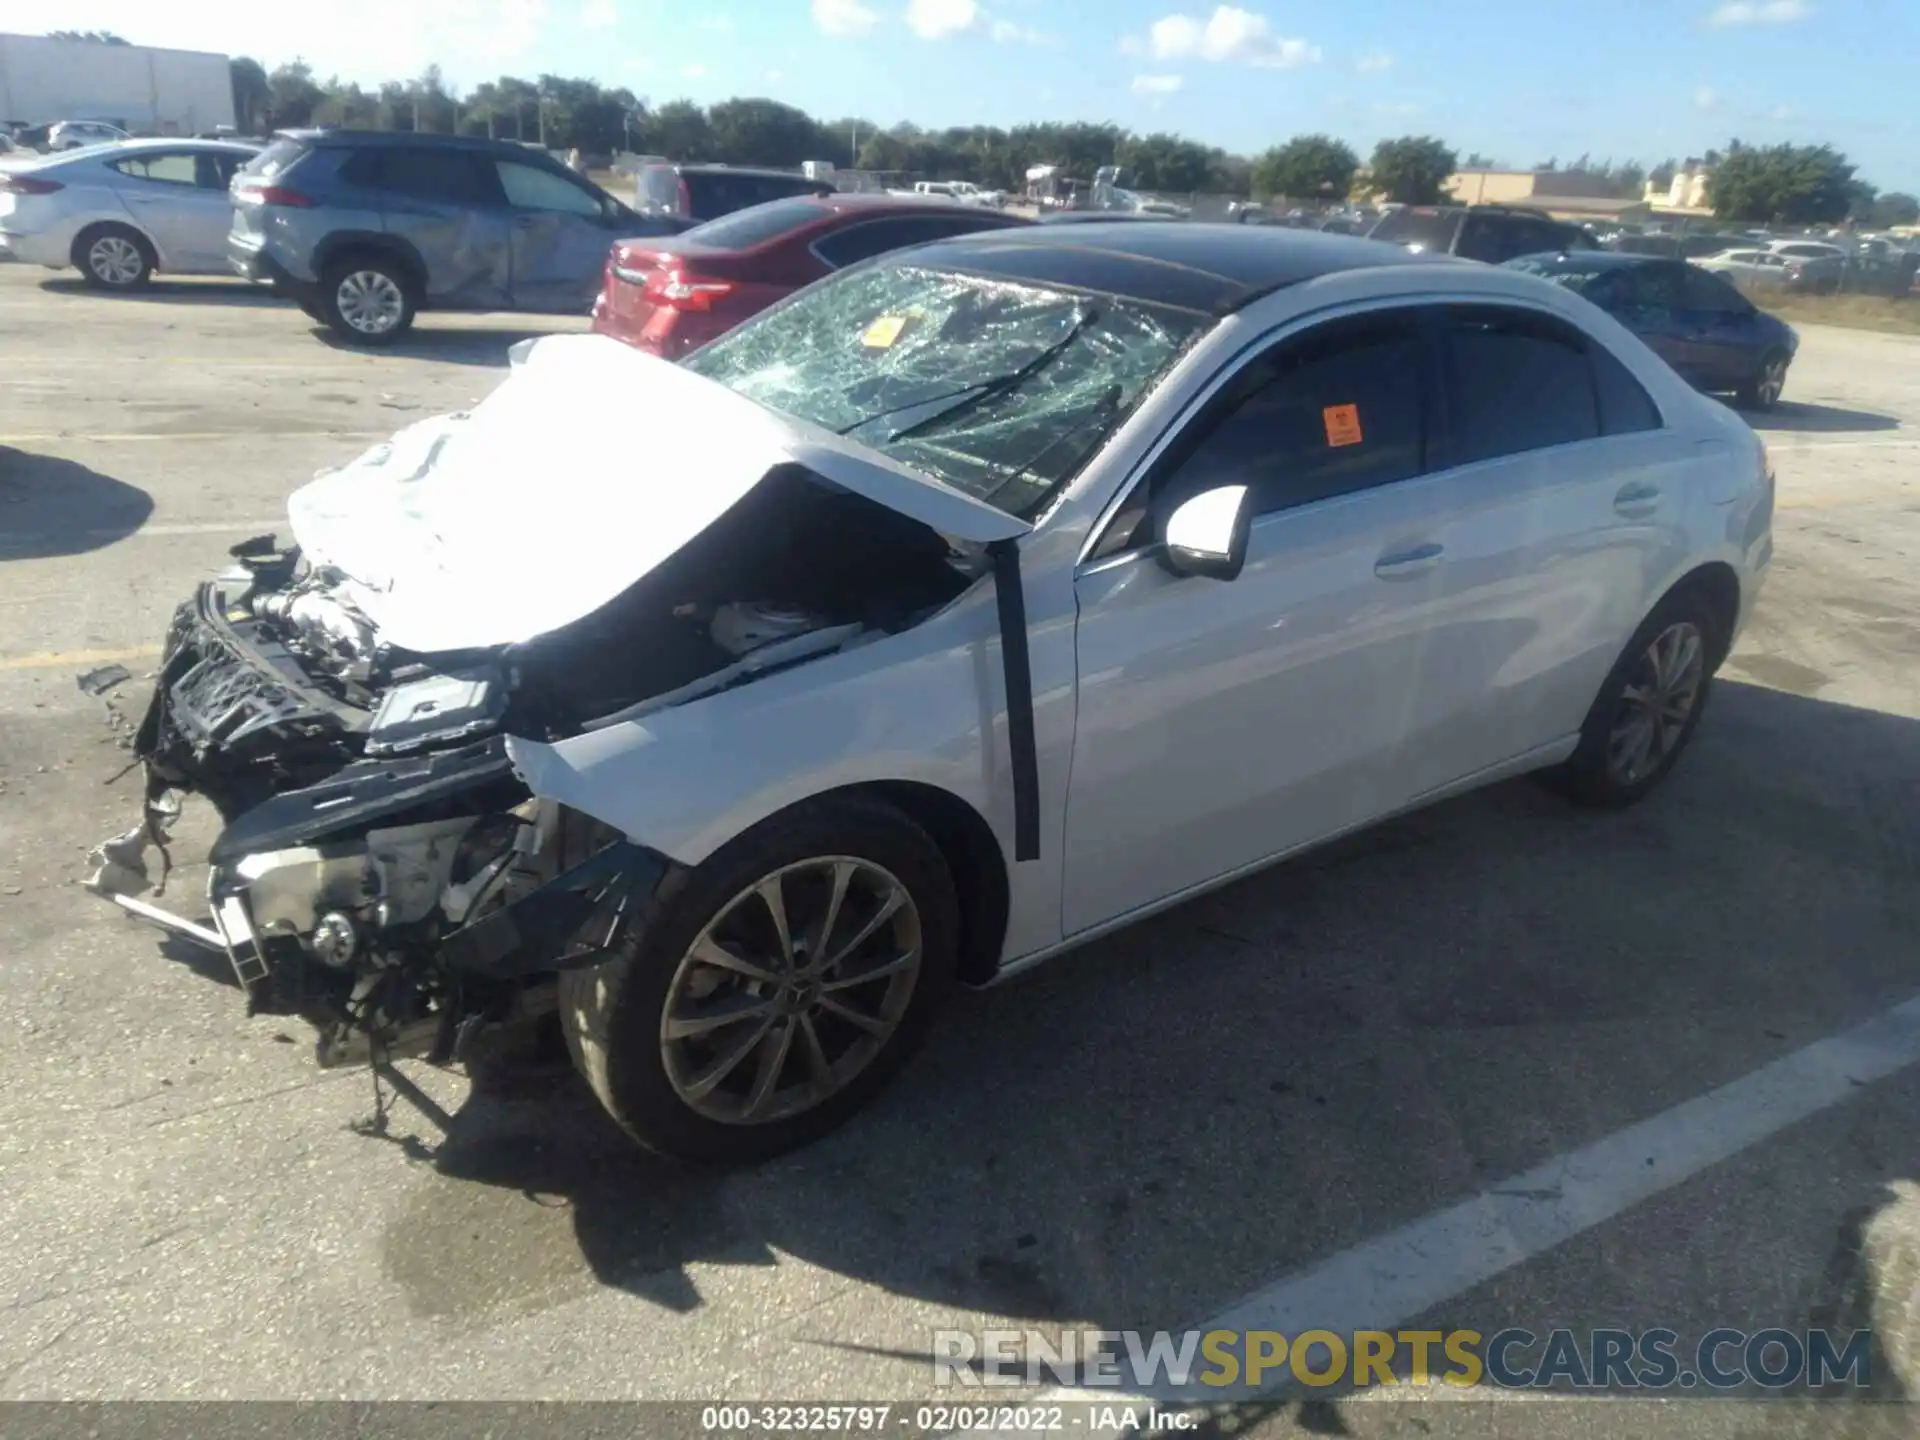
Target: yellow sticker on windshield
(881,334)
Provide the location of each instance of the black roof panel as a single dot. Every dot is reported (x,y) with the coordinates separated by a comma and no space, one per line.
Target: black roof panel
(1215,269)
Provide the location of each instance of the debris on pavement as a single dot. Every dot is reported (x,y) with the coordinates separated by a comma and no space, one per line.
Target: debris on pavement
(98,682)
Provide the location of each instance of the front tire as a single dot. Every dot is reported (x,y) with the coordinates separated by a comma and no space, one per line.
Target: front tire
(768,994)
(114,257)
(1648,708)
(367,300)
(1762,392)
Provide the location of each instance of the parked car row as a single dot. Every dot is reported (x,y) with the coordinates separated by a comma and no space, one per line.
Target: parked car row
(365,229)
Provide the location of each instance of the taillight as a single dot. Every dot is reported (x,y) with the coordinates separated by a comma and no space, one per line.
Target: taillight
(28,185)
(274,195)
(682,291)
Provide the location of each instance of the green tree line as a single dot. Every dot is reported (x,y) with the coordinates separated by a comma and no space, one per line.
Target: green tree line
(1777,184)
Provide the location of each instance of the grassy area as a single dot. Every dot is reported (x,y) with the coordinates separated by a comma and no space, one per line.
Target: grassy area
(1858,312)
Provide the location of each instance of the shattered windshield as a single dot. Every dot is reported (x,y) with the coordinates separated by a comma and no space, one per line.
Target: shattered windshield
(999,389)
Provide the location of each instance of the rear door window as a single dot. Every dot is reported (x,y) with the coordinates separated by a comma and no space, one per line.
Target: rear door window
(716,193)
(449,176)
(1513,381)
(1423,227)
(164,167)
(1703,290)
(1625,406)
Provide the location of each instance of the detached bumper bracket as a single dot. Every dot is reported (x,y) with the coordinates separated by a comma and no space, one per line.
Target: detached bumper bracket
(557,927)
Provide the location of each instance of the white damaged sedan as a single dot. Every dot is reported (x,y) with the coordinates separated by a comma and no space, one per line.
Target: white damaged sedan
(959,609)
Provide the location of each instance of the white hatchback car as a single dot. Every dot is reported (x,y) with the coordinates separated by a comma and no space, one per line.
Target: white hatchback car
(962,607)
(120,212)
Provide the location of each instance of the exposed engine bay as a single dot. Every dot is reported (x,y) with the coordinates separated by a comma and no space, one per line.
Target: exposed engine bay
(382,870)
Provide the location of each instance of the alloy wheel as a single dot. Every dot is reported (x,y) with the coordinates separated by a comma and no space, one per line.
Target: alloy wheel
(1773,380)
(1660,697)
(115,260)
(791,991)
(370,301)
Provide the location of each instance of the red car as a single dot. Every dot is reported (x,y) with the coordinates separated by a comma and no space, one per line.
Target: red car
(669,294)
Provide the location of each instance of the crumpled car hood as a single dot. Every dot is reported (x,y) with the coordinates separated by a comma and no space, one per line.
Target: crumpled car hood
(589,466)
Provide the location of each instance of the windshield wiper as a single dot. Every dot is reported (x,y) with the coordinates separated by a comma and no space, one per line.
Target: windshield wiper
(979,393)
(1104,409)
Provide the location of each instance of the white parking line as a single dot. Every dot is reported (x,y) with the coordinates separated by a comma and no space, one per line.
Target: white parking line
(1386,1281)
(28,541)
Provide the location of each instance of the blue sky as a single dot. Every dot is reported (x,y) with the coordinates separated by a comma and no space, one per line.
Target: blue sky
(1521,80)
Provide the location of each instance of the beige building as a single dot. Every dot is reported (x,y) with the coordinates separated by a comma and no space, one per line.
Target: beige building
(1563,194)
(1685,195)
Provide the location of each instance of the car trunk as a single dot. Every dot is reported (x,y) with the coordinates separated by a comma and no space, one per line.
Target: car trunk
(669,294)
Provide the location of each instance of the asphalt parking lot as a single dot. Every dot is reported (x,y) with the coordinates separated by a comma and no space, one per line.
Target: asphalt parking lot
(1141,1134)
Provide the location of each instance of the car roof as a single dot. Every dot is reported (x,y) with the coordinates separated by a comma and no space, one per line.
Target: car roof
(759,172)
(412,139)
(182,142)
(1607,259)
(1213,269)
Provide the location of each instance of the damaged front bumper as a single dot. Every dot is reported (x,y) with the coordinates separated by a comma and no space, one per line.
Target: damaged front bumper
(404,903)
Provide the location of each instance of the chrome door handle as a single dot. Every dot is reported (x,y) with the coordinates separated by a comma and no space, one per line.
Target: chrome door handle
(1407,563)
(1637,499)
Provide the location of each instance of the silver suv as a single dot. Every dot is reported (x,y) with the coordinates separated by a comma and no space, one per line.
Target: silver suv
(364,229)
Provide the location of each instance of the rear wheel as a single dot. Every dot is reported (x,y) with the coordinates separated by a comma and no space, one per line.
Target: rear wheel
(1648,708)
(114,257)
(772,990)
(367,299)
(1762,392)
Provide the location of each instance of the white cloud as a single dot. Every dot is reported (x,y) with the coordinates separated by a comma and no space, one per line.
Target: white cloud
(1157,84)
(1008,33)
(694,72)
(1760,12)
(940,19)
(1229,34)
(844,18)
(1403,111)
(1706,98)
(1374,62)
(1783,112)
(599,14)
(719,24)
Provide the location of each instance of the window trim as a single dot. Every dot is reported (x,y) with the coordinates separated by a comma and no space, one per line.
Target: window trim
(1229,371)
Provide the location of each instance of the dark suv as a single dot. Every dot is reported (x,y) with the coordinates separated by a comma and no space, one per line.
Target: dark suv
(366,228)
(1490,233)
(683,196)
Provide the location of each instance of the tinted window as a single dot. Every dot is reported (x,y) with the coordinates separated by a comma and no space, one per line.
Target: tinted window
(876,237)
(533,187)
(1513,382)
(716,193)
(758,224)
(167,167)
(1327,414)
(1625,406)
(1653,290)
(1428,229)
(455,176)
(1703,290)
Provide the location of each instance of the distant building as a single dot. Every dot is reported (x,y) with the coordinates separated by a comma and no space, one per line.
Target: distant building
(1563,194)
(139,88)
(1685,194)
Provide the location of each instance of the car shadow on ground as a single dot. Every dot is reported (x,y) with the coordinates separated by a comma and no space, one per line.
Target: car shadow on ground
(50,506)
(176,291)
(452,347)
(1804,418)
(1230,1091)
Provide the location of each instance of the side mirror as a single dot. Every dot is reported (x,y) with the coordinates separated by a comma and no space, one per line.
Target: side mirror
(1207,534)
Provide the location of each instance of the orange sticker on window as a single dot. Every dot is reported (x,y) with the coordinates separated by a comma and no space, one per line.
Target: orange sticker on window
(881,334)
(1343,424)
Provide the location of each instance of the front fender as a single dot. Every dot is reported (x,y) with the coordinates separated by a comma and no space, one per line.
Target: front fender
(926,706)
